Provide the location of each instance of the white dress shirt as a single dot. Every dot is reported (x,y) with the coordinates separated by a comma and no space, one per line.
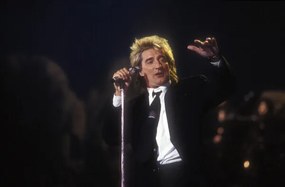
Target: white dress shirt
(166,151)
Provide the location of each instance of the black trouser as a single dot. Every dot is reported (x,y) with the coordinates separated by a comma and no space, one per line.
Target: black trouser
(167,175)
(172,175)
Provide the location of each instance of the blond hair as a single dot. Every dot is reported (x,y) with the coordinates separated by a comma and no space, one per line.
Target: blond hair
(154,41)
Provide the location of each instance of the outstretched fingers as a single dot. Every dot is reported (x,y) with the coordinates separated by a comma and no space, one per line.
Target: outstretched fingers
(207,48)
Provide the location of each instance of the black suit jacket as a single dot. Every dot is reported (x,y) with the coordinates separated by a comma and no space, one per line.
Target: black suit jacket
(186,104)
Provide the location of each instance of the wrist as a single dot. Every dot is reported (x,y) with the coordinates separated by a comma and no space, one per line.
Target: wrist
(117,93)
(214,58)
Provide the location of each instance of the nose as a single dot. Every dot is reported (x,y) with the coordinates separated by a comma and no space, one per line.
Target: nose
(157,64)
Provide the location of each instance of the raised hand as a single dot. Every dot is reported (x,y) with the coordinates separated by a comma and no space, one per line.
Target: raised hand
(208,48)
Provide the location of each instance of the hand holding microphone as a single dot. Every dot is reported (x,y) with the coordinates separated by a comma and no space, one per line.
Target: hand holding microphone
(123,78)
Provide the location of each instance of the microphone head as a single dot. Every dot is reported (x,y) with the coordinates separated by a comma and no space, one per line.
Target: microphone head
(134,69)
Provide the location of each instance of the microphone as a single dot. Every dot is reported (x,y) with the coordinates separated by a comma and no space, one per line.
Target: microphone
(132,70)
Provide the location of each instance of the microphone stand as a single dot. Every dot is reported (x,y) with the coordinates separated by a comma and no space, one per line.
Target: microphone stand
(121,83)
(122,155)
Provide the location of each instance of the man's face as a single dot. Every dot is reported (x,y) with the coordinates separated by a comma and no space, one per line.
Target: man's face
(154,68)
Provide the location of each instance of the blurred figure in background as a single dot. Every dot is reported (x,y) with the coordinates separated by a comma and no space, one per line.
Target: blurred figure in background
(42,124)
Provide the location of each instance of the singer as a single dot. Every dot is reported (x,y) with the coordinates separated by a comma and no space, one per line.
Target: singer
(164,116)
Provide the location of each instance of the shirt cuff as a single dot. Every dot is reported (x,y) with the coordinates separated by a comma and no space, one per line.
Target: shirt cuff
(117,101)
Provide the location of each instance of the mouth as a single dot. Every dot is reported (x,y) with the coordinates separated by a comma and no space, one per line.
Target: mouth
(159,74)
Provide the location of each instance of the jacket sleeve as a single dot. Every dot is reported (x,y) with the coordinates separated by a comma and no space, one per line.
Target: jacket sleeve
(111,126)
(222,83)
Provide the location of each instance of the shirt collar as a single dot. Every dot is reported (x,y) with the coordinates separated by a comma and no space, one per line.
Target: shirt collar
(162,88)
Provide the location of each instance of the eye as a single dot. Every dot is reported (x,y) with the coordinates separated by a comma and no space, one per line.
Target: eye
(149,61)
(162,59)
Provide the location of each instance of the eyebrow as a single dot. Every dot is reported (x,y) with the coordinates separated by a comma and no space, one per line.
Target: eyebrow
(159,56)
(150,58)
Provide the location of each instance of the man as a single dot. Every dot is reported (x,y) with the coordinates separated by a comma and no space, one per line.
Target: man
(167,150)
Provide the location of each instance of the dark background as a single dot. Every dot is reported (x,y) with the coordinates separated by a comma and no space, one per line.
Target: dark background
(87,37)
(88,40)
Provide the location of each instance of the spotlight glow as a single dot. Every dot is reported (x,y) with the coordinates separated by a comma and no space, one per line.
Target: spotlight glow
(246,164)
